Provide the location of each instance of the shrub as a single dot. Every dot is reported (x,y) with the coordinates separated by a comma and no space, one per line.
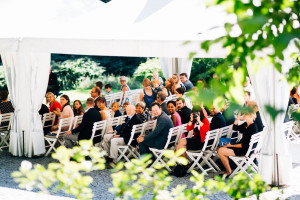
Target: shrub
(145,70)
(71,73)
(2,79)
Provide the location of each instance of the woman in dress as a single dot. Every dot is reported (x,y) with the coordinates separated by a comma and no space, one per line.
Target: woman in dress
(78,108)
(170,87)
(140,111)
(178,84)
(175,117)
(147,94)
(54,106)
(200,126)
(104,111)
(248,128)
(66,110)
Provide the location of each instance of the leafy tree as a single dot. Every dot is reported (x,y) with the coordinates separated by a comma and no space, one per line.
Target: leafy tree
(145,70)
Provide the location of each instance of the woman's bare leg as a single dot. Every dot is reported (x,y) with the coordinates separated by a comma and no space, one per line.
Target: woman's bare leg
(223,153)
(181,144)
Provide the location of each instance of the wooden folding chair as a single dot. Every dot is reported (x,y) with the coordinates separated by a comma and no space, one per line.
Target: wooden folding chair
(246,161)
(195,156)
(127,151)
(48,119)
(5,122)
(170,144)
(98,131)
(77,120)
(109,100)
(65,125)
(149,126)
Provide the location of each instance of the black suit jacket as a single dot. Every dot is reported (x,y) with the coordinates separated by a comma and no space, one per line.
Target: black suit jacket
(185,114)
(95,106)
(86,126)
(126,128)
(217,121)
(164,108)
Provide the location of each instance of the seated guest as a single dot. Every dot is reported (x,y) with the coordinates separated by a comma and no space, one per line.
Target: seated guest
(78,108)
(175,117)
(95,93)
(5,105)
(124,86)
(156,87)
(54,106)
(228,115)
(112,141)
(183,110)
(66,111)
(104,111)
(180,94)
(44,109)
(293,95)
(99,84)
(108,88)
(248,128)
(218,120)
(115,107)
(141,113)
(178,84)
(147,94)
(257,119)
(170,87)
(84,130)
(246,98)
(197,141)
(158,137)
(125,104)
(186,82)
(161,97)
(155,76)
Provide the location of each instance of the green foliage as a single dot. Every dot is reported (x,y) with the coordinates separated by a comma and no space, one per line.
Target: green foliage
(2,79)
(145,70)
(72,72)
(65,175)
(204,68)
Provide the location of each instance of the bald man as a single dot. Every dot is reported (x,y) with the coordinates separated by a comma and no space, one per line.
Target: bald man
(112,141)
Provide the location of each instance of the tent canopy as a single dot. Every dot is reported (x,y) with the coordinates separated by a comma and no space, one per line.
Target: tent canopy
(140,28)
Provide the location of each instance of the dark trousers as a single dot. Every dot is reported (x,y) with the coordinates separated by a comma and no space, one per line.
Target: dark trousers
(145,145)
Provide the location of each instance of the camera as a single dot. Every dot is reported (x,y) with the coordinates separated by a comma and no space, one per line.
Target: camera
(195,115)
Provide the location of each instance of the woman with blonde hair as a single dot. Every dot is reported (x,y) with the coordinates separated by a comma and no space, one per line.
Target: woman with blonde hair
(54,106)
(178,84)
(147,94)
(170,87)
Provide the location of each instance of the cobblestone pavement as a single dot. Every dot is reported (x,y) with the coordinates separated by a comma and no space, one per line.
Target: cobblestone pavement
(102,181)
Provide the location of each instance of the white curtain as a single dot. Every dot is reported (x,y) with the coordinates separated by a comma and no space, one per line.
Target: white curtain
(27,77)
(171,66)
(272,89)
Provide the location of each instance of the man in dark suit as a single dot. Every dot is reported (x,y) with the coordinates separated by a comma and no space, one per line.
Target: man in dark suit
(218,120)
(183,110)
(112,141)
(158,137)
(95,93)
(161,97)
(84,130)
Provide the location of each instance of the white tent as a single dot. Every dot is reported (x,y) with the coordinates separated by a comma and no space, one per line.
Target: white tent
(32,30)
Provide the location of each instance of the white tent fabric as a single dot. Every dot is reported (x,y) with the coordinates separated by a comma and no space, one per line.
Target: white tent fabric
(272,89)
(171,66)
(26,77)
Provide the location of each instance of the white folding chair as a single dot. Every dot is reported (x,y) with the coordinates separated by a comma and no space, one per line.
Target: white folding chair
(77,120)
(171,98)
(117,97)
(170,144)
(287,128)
(122,119)
(195,156)
(134,99)
(65,125)
(243,162)
(126,151)
(112,122)
(5,122)
(112,113)
(99,129)
(48,119)
(149,126)
(109,99)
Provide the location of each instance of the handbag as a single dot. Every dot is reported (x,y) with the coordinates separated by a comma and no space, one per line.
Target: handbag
(224,141)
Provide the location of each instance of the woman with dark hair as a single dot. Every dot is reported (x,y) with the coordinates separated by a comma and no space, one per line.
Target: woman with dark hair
(175,117)
(66,109)
(78,108)
(141,113)
(5,106)
(104,111)
(200,124)
(170,87)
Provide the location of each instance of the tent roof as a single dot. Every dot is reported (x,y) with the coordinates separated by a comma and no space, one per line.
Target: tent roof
(150,28)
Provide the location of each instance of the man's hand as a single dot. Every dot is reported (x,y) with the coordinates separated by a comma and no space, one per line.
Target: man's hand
(140,139)
(68,133)
(116,136)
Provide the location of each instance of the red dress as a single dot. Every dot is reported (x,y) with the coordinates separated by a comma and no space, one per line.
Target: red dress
(197,141)
(56,104)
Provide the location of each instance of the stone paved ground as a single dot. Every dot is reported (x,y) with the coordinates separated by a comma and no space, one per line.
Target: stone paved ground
(102,181)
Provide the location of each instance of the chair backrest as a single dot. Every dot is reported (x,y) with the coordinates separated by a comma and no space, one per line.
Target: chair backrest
(5,120)
(48,117)
(150,125)
(171,98)
(112,113)
(122,119)
(211,140)
(117,97)
(108,99)
(115,121)
(65,124)
(172,137)
(134,99)
(225,132)
(77,120)
(255,144)
(98,126)
(136,130)
(287,128)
